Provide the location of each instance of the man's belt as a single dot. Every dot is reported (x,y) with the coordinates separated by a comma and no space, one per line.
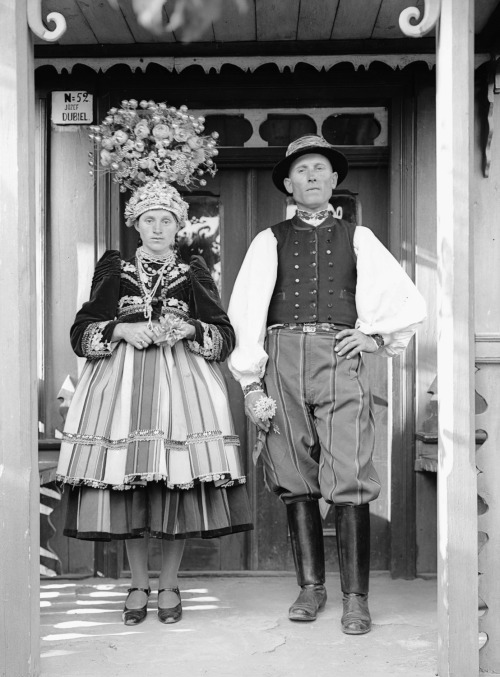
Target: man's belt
(309,327)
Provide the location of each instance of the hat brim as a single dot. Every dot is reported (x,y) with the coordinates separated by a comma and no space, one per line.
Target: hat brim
(337,160)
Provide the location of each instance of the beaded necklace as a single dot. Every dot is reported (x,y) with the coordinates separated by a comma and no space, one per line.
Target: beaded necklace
(146,273)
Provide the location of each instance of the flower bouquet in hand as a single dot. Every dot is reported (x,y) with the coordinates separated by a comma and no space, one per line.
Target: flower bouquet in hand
(171,329)
(264,410)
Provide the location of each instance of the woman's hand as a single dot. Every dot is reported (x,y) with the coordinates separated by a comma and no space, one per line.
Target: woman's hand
(250,401)
(188,331)
(351,342)
(137,334)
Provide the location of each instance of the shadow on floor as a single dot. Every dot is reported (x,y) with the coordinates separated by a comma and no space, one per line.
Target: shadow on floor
(235,627)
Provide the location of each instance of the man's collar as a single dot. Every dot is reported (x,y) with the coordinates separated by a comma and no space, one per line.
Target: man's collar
(299,224)
(313,217)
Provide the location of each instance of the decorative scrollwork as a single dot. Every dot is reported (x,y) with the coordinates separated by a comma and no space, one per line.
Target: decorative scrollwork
(431,15)
(34,10)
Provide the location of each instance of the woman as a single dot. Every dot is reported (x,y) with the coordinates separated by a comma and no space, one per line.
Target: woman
(149,443)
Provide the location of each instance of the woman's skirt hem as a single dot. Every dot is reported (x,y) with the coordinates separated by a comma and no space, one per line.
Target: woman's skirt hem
(139,480)
(140,533)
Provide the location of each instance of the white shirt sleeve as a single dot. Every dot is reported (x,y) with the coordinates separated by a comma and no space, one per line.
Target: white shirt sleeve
(249,306)
(387,301)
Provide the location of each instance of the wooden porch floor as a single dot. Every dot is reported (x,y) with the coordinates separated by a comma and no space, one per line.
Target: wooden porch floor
(236,627)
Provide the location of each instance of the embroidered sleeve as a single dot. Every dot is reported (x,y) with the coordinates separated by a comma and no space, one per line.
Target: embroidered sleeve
(94,323)
(214,338)
(94,342)
(208,341)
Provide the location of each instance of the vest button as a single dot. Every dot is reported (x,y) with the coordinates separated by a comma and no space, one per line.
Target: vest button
(313,251)
(331,279)
(297,266)
(314,279)
(296,242)
(329,230)
(328,240)
(297,305)
(313,317)
(329,263)
(295,317)
(313,304)
(330,291)
(328,251)
(297,293)
(330,305)
(297,281)
(329,317)
(312,264)
(295,253)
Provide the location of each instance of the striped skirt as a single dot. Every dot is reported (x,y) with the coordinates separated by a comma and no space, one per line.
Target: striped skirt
(149,447)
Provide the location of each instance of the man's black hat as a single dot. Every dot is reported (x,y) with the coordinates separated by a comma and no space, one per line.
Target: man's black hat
(305,145)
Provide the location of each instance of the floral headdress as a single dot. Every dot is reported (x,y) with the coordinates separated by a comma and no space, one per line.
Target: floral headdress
(149,142)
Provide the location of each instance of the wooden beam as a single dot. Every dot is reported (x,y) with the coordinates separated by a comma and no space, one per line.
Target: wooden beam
(19,486)
(249,48)
(457,488)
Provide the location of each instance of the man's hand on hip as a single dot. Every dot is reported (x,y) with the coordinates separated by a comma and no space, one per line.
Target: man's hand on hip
(351,342)
(250,401)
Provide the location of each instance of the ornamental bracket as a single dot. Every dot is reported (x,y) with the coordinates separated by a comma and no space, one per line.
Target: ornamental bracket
(34,11)
(431,16)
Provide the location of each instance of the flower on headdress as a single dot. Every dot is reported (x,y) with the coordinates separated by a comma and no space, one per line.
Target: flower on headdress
(195,142)
(181,135)
(141,130)
(162,132)
(107,144)
(106,158)
(120,136)
(199,156)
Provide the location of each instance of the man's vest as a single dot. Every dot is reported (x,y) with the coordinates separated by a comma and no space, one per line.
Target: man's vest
(316,273)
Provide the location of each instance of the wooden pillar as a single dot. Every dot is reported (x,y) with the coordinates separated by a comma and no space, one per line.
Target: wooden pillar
(457,491)
(19,490)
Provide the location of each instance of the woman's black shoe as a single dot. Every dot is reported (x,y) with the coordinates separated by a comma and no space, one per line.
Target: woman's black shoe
(135,616)
(170,614)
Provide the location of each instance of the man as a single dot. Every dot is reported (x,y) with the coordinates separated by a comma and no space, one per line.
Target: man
(313,294)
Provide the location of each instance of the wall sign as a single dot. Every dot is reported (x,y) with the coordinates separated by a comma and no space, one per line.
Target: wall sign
(72,108)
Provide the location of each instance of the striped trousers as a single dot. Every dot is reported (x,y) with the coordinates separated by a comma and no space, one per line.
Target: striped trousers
(326,435)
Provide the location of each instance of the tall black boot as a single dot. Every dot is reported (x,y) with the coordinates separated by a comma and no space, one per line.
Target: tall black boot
(353,542)
(306,535)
